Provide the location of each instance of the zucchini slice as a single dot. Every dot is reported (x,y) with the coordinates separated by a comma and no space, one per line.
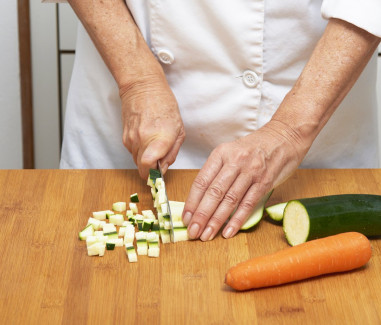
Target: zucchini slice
(312,218)
(257,213)
(275,211)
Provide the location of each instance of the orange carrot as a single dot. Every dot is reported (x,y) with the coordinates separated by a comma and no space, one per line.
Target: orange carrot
(337,253)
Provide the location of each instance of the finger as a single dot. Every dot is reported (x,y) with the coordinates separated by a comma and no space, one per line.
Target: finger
(244,210)
(199,186)
(156,149)
(170,158)
(211,199)
(126,141)
(230,201)
(135,148)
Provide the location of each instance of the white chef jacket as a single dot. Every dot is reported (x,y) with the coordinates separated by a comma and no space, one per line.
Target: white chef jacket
(229,63)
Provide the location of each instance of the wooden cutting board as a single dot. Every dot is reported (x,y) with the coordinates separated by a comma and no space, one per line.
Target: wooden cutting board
(46,276)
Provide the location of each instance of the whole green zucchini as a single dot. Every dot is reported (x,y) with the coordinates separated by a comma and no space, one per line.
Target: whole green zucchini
(311,218)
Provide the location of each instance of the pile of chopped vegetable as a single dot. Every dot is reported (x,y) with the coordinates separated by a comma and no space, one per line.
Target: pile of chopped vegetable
(124,226)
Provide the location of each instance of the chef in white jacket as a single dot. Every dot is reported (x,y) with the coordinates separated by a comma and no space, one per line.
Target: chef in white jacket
(239,88)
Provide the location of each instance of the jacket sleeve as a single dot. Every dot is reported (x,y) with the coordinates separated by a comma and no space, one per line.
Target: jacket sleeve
(365,14)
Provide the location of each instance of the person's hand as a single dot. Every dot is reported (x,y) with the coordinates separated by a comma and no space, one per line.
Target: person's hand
(152,125)
(238,174)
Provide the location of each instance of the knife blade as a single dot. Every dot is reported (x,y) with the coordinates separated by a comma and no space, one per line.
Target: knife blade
(171,233)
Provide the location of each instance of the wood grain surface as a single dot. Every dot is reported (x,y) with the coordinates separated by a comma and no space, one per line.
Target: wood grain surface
(46,276)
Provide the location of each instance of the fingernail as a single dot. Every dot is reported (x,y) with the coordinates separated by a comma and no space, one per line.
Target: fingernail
(187,217)
(206,235)
(228,232)
(193,231)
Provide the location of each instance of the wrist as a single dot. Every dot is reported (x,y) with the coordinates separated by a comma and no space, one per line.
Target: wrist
(142,69)
(297,121)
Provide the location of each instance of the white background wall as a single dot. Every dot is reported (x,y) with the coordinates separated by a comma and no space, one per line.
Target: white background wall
(46,81)
(10,111)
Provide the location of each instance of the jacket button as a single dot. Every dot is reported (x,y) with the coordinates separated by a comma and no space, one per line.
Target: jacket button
(250,79)
(165,56)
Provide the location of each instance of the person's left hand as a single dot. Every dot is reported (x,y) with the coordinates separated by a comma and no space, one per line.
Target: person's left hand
(237,175)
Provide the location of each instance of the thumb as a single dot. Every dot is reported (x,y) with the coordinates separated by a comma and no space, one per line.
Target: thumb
(155,150)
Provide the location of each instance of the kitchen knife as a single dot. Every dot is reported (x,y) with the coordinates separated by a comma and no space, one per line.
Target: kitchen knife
(167,202)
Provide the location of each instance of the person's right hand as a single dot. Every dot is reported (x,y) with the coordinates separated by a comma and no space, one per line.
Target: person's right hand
(152,126)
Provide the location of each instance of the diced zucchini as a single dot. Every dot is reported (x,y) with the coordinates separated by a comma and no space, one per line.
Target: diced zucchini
(99,215)
(178,224)
(133,207)
(153,192)
(117,241)
(117,219)
(141,235)
(140,225)
(161,197)
(177,210)
(129,213)
(129,238)
(109,227)
(109,213)
(148,214)
(91,240)
(142,247)
(112,234)
(122,231)
(154,174)
(98,233)
(110,246)
(87,231)
(150,182)
(165,236)
(126,223)
(167,225)
(139,217)
(134,197)
(95,222)
(147,224)
(102,223)
(119,206)
(131,254)
(152,237)
(156,228)
(159,184)
(164,208)
(129,235)
(153,249)
(96,249)
(180,234)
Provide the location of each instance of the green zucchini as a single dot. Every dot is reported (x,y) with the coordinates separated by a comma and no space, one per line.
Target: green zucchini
(134,197)
(311,218)
(275,211)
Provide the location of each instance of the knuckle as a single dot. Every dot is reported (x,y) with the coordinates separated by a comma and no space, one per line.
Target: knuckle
(247,205)
(236,222)
(215,192)
(201,183)
(143,133)
(216,221)
(201,215)
(231,198)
